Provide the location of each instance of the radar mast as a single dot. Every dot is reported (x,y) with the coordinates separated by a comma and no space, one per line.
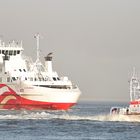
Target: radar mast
(37,36)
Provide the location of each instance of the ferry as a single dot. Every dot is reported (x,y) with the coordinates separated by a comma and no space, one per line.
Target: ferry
(134,105)
(29,85)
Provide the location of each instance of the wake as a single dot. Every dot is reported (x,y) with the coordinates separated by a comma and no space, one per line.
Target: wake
(24,115)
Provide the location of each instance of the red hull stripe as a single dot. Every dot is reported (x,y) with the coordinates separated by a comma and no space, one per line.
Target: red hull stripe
(135,103)
(10,100)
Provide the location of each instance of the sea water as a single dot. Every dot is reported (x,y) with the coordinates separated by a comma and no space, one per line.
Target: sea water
(86,121)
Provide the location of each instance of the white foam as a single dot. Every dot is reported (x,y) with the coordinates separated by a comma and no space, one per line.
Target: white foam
(120,118)
(65,116)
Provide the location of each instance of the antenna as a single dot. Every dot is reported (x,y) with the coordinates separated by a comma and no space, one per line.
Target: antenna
(134,72)
(1,36)
(37,36)
(21,43)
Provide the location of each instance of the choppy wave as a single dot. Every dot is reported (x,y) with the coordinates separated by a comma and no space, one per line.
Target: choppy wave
(48,116)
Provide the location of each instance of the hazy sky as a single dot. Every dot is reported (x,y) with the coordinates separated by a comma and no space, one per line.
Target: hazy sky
(96,42)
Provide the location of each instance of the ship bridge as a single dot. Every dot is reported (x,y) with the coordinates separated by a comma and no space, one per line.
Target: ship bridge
(12,48)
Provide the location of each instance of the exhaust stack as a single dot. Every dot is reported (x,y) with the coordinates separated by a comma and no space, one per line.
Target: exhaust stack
(48,63)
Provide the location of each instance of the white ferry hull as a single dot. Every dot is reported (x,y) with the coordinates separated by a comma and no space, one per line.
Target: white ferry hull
(32,98)
(25,84)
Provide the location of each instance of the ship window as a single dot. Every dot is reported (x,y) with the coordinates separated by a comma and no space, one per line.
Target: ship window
(40,79)
(18,52)
(46,79)
(8,79)
(6,51)
(13,78)
(3,51)
(10,52)
(24,70)
(0,79)
(35,79)
(14,52)
(58,78)
(31,79)
(54,78)
(20,70)
(0,51)
(25,78)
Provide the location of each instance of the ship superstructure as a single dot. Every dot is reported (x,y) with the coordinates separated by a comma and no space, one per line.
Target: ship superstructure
(25,84)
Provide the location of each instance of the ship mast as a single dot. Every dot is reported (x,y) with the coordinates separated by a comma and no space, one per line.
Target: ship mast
(134,86)
(37,36)
(134,73)
(38,64)
(131,85)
